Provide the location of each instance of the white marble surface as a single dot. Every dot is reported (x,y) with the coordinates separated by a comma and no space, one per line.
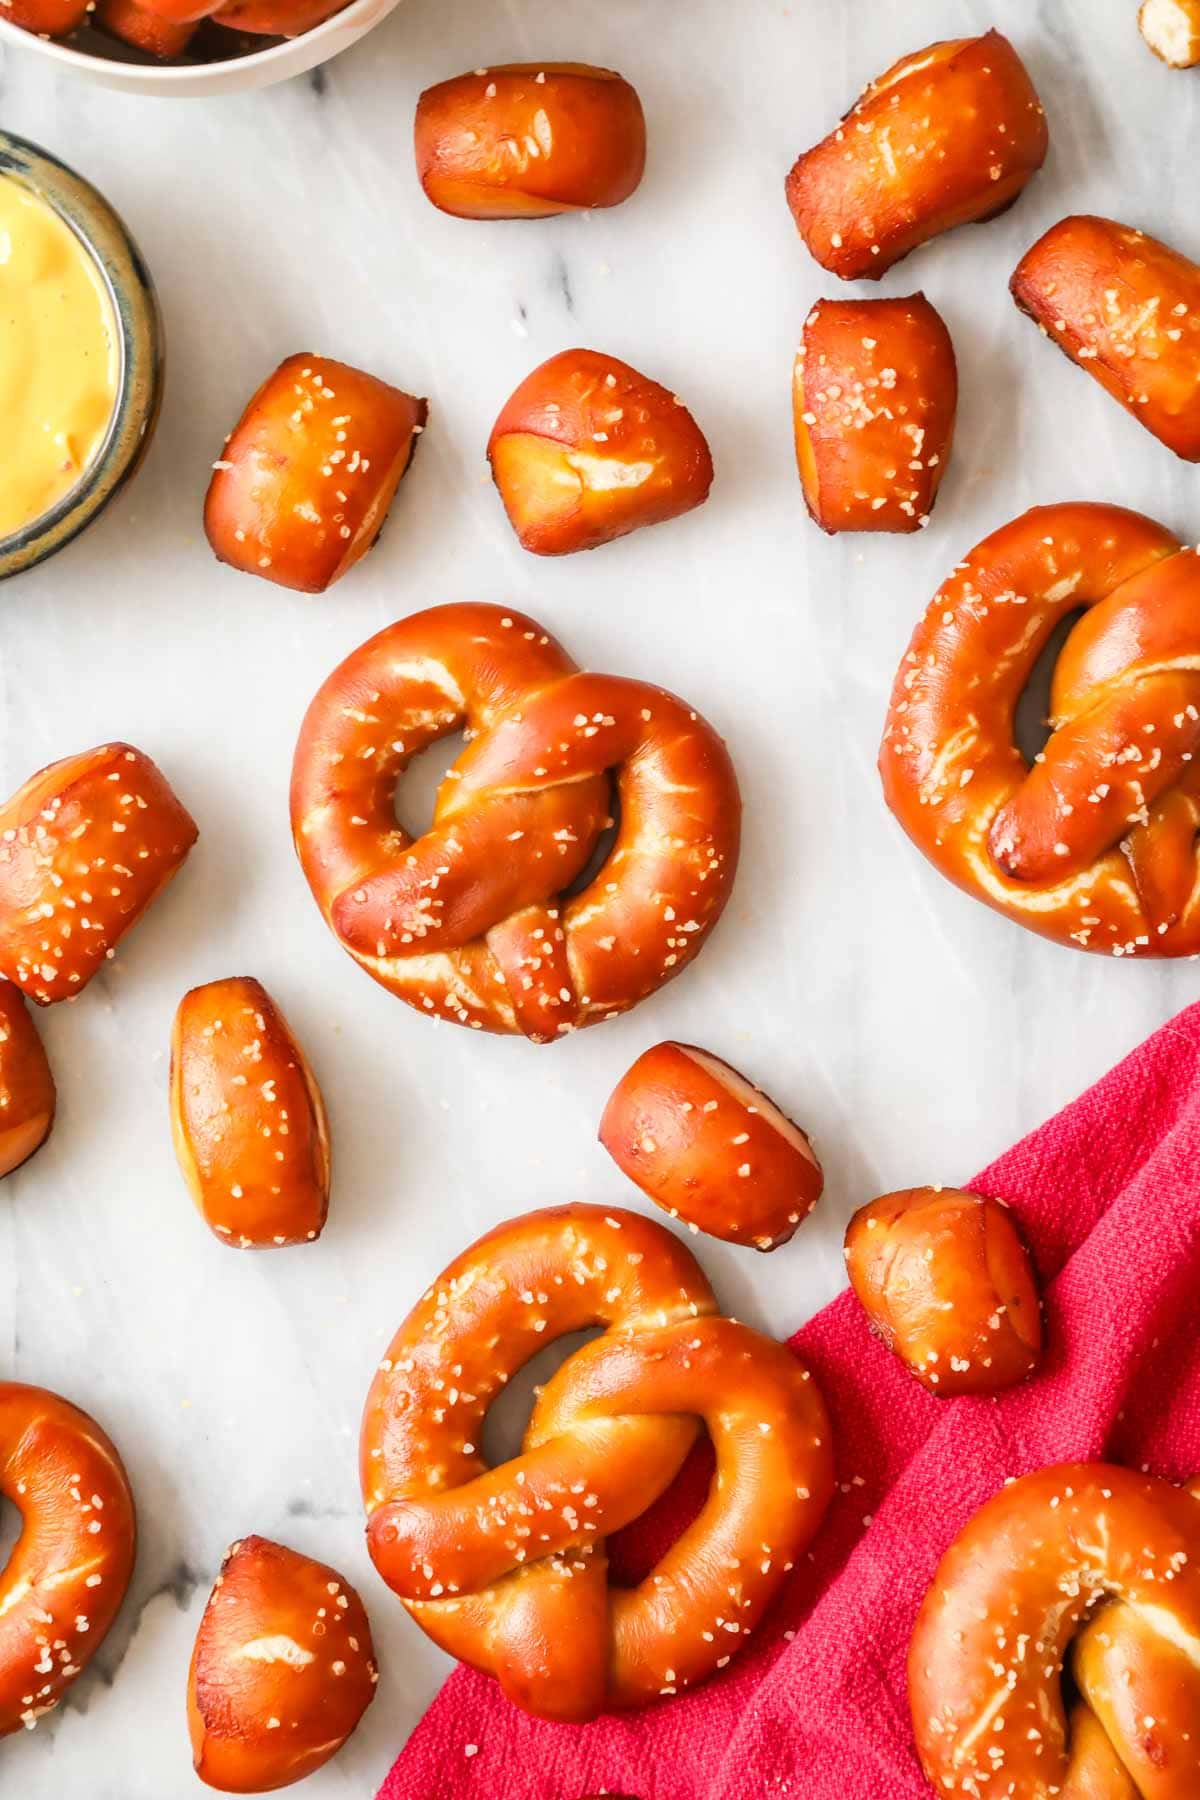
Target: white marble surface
(914,1033)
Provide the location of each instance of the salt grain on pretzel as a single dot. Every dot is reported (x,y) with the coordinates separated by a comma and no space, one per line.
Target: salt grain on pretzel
(1001,1618)
(64,1582)
(948,135)
(505,1567)
(1126,309)
(247,1118)
(947,1283)
(1094,845)
(468,921)
(282,1670)
(711,1148)
(85,846)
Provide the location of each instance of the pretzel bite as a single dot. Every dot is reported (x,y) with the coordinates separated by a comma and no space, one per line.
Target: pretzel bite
(1126,308)
(277,18)
(85,846)
(710,1148)
(1172,30)
(948,1285)
(144,27)
(527,140)
(46,18)
(26,1084)
(64,1582)
(247,1118)
(305,481)
(587,449)
(947,136)
(874,393)
(282,1670)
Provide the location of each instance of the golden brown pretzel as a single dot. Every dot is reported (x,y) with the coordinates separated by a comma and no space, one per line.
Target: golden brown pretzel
(63,1585)
(247,1118)
(282,1670)
(1094,845)
(27,1095)
(1009,1596)
(466,921)
(1126,309)
(947,1283)
(85,845)
(505,1567)
(948,135)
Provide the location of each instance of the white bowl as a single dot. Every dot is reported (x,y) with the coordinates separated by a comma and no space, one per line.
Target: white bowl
(261,68)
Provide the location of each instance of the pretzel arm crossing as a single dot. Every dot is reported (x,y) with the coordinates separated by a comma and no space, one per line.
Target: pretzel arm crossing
(467,920)
(1094,844)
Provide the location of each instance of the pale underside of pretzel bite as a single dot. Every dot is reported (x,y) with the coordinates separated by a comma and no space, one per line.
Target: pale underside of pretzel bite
(505,1567)
(1172,30)
(470,921)
(1094,844)
(1086,1567)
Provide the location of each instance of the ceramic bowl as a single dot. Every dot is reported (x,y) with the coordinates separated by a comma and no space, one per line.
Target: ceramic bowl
(98,60)
(140,333)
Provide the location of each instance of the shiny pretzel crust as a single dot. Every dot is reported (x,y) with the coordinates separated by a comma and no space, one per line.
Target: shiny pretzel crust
(1094,845)
(1019,1582)
(528,140)
(467,922)
(947,136)
(63,1585)
(27,1095)
(1126,309)
(505,1567)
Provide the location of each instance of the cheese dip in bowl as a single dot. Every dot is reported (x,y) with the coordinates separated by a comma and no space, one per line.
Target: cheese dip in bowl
(80,355)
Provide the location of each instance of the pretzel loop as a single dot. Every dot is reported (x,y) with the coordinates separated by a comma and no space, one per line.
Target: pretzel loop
(1016,1593)
(506,1567)
(467,920)
(1094,844)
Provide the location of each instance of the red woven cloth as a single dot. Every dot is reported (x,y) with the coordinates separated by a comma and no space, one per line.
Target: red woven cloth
(1109,1196)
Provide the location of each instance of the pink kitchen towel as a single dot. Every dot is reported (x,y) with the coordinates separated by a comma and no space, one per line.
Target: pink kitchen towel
(1108,1194)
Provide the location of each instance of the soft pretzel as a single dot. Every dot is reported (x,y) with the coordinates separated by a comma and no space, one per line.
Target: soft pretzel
(247,1118)
(303,485)
(27,1096)
(467,921)
(712,1149)
(586,450)
(505,1567)
(143,26)
(1126,308)
(1172,30)
(47,18)
(996,1626)
(949,135)
(282,1670)
(874,392)
(527,140)
(85,846)
(277,18)
(1094,845)
(947,1283)
(63,1585)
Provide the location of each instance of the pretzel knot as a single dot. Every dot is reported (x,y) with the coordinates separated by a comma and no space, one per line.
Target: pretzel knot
(468,921)
(505,1567)
(1095,844)
(1084,1564)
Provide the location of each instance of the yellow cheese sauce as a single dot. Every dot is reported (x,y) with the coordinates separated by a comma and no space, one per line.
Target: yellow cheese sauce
(59,357)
